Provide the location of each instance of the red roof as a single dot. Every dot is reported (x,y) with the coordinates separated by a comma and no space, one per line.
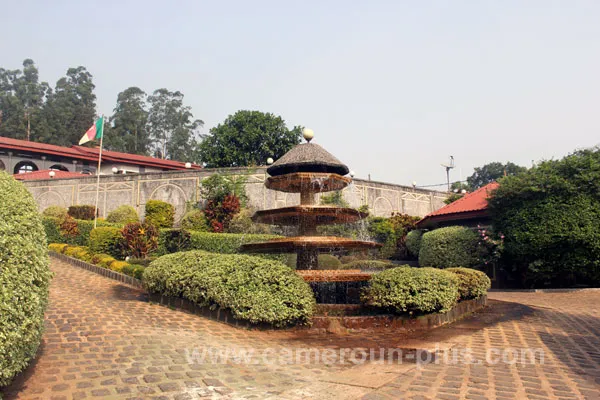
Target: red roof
(45,174)
(91,154)
(471,205)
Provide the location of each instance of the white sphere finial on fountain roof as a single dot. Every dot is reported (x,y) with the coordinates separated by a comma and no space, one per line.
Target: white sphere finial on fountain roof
(308,134)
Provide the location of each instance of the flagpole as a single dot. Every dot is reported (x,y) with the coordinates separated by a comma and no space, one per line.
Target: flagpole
(98,174)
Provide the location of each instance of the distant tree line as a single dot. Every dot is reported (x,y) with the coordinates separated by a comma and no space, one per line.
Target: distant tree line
(159,124)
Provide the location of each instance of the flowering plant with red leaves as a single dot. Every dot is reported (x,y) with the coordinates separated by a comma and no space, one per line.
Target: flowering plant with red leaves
(68,227)
(220,213)
(140,239)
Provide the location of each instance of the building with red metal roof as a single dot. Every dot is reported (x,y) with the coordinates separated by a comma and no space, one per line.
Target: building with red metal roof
(469,210)
(21,156)
(49,174)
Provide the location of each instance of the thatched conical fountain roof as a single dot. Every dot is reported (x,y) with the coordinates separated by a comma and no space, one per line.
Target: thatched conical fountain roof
(307,157)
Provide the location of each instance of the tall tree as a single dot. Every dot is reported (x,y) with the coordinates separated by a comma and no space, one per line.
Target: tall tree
(171,125)
(247,138)
(71,109)
(492,172)
(127,125)
(21,100)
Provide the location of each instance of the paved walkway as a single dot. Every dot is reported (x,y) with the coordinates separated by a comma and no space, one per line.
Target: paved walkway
(104,340)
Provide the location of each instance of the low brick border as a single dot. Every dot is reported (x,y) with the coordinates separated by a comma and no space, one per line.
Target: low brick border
(365,323)
(117,276)
(396,323)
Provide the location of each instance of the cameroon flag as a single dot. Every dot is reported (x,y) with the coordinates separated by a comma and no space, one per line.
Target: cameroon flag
(95,132)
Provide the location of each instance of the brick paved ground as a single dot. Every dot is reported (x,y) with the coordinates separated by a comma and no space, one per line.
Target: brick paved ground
(103,340)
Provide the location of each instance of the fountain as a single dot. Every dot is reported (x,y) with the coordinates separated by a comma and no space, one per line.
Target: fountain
(309,169)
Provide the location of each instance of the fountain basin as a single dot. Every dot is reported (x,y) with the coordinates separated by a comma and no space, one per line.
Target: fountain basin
(314,182)
(317,215)
(315,243)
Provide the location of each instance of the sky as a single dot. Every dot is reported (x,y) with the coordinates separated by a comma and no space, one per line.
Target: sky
(391,88)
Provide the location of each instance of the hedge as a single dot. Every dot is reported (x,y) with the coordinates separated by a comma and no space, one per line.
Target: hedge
(55,211)
(195,220)
(471,282)
(253,288)
(107,239)
(53,234)
(83,212)
(412,290)
(453,246)
(123,215)
(173,241)
(227,243)
(413,242)
(160,214)
(24,278)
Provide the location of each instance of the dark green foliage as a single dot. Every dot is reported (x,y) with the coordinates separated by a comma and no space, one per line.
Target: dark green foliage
(128,124)
(453,246)
(369,265)
(195,220)
(24,278)
(549,216)
(224,242)
(83,212)
(471,282)
(242,223)
(253,288)
(335,198)
(108,240)
(412,290)
(247,138)
(160,214)
(55,211)
(122,215)
(413,242)
(382,231)
(52,230)
(173,241)
(492,172)
(137,271)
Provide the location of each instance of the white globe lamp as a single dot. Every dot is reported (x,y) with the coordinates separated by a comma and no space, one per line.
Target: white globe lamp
(308,134)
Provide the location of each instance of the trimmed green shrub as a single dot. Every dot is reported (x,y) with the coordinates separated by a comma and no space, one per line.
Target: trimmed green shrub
(195,220)
(160,214)
(253,288)
(24,278)
(123,215)
(369,265)
(52,230)
(107,240)
(413,242)
(144,262)
(55,211)
(224,242)
(57,247)
(137,271)
(471,282)
(84,212)
(453,246)
(173,241)
(412,290)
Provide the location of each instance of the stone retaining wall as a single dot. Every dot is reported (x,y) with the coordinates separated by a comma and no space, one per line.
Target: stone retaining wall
(182,187)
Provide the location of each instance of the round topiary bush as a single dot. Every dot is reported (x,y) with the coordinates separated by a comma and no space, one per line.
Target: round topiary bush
(24,278)
(160,214)
(55,212)
(453,246)
(412,290)
(253,288)
(471,282)
(123,215)
(413,242)
(195,220)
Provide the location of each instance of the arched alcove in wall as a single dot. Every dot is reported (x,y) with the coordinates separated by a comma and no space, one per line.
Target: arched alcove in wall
(24,167)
